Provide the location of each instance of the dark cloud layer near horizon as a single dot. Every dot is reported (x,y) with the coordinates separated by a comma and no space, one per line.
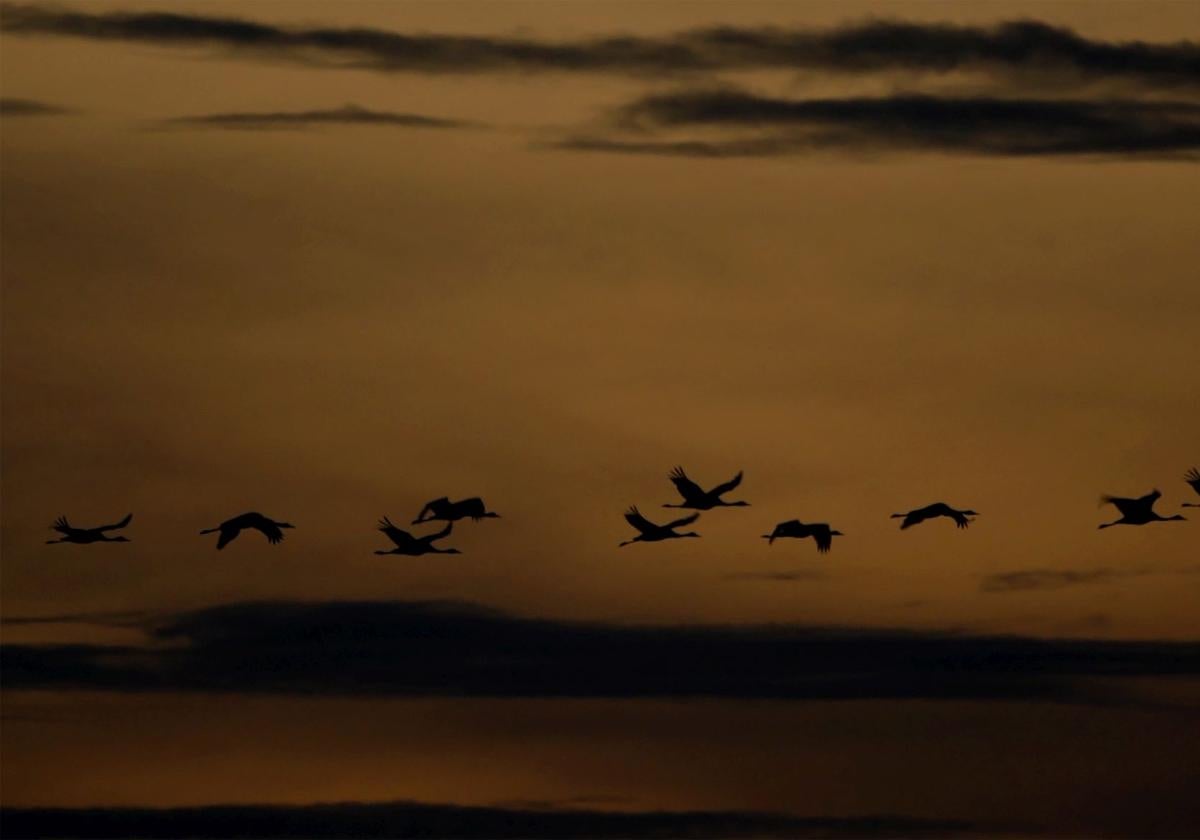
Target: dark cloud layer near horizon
(346,115)
(397,648)
(415,819)
(910,122)
(1019,46)
(17,107)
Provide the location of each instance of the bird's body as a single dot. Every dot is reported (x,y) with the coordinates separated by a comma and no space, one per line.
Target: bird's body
(650,532)
(819,531)
(1139,511)
(411,546)
(696,498)
(914,517)
(84,536)
(230,528)
(449,511)
(1192,477)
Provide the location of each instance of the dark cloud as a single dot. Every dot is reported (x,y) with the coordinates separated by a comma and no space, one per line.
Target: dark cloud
(779,577)
(1026,580)
(1017,47)
(13,107)
(393,648)
(417,820)
(346,115)
(976,125)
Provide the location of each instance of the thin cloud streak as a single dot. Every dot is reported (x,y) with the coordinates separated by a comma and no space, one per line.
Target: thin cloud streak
(1015,47)
(912,122)
(440,649)
(1030,580)
(346,115)
(17,107)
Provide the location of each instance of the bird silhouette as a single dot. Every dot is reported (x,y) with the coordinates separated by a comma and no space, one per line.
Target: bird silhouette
(449,511)
(230,528)
(1192,477)
(83,536)
(819,531)
(649,532)
(412,546)
(1137,511)
(915,517)
(696,498)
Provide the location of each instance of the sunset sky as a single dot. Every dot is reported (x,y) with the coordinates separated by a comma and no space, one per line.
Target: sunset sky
(329,261)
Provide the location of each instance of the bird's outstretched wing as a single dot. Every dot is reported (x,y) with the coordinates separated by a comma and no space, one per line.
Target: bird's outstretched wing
(430,507)
(227,536)
(116,526)
(634,517)
(1192,477)
(959,518)
(472,507)
(402,539)
(445,532)
(269,530)
(915,517)
(679,523)
(823,536)
(1123,504)
(727,486)
(62,525)
(690,490)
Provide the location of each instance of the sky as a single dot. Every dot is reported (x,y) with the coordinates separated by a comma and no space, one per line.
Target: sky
(331,261)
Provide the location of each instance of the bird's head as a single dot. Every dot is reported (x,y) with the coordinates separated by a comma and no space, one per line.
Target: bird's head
(120,539)
(491,515)
(690,534)
(1178,518)
(739,504)
(286,525)
(836,534)
(451,551)
(970,513)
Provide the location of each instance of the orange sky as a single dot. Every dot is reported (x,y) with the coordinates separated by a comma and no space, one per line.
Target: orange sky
(337,323)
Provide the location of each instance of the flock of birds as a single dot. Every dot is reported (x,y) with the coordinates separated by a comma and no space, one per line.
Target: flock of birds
(1134,511)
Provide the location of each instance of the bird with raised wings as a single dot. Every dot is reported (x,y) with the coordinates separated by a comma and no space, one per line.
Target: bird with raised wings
(449,511)
(915,517)
(1192,477)
(412,546)
(83,536)
(230,528)
(650,532)
(697,498)
(794,528)
(1139,511)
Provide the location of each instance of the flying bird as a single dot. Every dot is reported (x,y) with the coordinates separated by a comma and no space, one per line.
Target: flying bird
(83,536)
(915,517)
(819,531)
(412,546)
(1137,511)
(449,511)
(230,528)
(1192,477)
(649,532)
(696,498)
